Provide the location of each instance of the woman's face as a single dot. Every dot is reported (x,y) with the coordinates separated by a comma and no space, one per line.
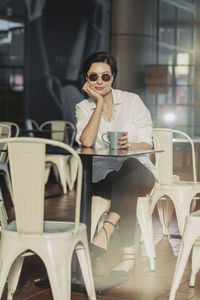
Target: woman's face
(100,78)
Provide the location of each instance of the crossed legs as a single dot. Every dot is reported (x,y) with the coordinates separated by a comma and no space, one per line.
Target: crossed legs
(123,187)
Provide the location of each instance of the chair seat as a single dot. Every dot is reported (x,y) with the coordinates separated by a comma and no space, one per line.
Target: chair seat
(55,247)
(54,236)
(181,183)
(50,227)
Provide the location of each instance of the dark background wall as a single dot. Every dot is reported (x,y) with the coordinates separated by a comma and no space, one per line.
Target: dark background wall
(141,34)
(57,41)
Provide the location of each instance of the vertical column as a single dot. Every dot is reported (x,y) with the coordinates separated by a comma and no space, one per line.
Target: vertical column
(133,41)
(197,74)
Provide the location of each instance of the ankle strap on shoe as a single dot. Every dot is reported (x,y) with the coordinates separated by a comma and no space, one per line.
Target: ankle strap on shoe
(114,225)
(107,239)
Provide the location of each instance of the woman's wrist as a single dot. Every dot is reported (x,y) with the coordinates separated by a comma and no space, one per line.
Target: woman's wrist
(99,103)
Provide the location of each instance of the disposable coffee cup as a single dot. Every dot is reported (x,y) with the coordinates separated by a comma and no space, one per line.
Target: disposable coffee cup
(112,138)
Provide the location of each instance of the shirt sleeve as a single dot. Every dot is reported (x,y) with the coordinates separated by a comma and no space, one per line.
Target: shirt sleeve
(82,118)
(142,122)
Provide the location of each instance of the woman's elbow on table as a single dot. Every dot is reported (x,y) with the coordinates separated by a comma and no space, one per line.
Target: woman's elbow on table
(86,143)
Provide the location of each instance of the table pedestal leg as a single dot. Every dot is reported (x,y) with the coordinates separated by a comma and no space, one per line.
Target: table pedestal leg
(86,202)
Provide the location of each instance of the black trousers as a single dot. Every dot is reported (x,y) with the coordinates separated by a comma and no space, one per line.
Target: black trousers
(123,187)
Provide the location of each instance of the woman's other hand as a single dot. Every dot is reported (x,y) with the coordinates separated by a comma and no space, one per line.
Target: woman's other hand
(123,141)
(95,96)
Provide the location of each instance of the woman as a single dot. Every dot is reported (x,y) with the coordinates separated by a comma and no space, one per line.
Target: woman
(120,179)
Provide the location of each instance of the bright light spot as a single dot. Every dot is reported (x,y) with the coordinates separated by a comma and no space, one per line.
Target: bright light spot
(169,117)
(183,59)
(183,62)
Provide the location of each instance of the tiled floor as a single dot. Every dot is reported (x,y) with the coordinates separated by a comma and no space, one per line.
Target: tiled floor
(142,285)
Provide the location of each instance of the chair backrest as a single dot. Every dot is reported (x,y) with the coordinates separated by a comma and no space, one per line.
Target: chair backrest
(5,132)
(63,131)
(14,127)
(27,167)
(31,125)
(156,146)
(165,162)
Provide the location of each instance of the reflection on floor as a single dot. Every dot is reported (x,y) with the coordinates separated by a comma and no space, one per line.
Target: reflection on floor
(142,285)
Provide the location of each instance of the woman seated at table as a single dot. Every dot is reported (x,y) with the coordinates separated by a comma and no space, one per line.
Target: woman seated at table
(120,179)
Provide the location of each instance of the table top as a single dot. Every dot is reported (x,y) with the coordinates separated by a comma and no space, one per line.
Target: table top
(109,152)
(98,152)
(24,130)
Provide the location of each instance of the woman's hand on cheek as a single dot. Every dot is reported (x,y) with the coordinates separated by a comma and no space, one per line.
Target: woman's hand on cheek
(86,88)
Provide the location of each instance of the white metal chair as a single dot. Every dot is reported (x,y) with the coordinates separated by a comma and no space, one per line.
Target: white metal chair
(3,213)
(5,131)
(14,127)
(101,206)
(63,131)
(190,241)
(4,169)
(54,242)
(179,191)
(66,166)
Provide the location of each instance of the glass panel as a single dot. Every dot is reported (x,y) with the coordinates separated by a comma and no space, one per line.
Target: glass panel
(176,31)
(182,77)
(167,23)
(166,56)
(167,98)
(184,72)
(181,115)
(11,66)
(11,41)
(11,55)
(182,95)
(196,112)
(185,29)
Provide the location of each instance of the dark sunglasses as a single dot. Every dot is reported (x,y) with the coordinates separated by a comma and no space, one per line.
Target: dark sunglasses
(94,77)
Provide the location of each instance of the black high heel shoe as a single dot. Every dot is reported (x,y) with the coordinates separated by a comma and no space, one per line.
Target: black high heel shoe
(99,251)
(123,273)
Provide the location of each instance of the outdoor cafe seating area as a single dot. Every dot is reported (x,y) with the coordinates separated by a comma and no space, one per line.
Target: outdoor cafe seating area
(149,281)
(99,150)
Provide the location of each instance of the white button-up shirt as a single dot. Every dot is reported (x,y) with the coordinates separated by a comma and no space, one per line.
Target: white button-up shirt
(129,114)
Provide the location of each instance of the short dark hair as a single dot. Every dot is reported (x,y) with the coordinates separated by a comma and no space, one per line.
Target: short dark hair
(100,57)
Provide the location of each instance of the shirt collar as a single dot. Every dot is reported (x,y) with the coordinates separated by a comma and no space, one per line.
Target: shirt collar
(116,99)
